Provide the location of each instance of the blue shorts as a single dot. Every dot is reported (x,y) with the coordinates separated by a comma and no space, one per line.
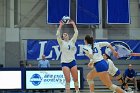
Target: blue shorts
(101,66)
(69,65)
(117,73)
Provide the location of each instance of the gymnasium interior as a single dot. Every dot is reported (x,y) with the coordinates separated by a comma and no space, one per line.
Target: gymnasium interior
(28,30)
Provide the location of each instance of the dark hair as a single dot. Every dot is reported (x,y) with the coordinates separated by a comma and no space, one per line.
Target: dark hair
(89,40)
(62,37)
(108,57)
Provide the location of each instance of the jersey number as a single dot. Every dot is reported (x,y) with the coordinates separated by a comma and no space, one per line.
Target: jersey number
(95,50)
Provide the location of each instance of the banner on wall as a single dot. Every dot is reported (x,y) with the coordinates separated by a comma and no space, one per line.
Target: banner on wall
(35,49)
(118,12)
(56,10)
(87,11)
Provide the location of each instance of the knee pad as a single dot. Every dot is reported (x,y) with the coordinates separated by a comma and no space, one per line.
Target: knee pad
(113,87)
(90,82)
(67,85)
(77,91)
(76,83)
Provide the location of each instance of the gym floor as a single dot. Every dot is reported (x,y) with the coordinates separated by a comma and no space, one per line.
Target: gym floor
(58,91)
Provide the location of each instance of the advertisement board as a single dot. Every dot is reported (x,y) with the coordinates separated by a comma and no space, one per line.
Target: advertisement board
(10,80)
(48,79)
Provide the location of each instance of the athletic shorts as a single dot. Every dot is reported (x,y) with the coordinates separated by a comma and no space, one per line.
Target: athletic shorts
(69,65)
(101,66)
(117,73)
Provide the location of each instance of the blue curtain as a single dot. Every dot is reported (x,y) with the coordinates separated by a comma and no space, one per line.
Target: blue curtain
(57,9)
(87,11)
(118,12)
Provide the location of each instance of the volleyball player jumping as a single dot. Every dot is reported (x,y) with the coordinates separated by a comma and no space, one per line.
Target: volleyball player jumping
(68,50)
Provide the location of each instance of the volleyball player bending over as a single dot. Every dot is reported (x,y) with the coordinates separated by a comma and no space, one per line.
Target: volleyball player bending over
(114,71)
(68,62)
(93,51)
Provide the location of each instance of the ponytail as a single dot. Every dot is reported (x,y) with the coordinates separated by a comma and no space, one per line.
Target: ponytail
(89,40)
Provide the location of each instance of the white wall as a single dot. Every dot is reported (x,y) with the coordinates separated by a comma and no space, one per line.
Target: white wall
(40,21)
(122,31)
(135,33)
(26,11)
(37,33)
(33,11)
(135,14)
(1,13)
(12,35)
(2,45)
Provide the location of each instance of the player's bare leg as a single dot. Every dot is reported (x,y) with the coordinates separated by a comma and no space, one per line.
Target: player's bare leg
(66,72)
(104,77)
(90,77)
(74,73)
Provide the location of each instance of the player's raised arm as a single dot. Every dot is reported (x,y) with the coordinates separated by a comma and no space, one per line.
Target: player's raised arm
(102,44)
(74,38)
(113,51)
(58,33)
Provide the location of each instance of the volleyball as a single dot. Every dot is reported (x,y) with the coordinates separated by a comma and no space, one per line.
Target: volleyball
(65,19)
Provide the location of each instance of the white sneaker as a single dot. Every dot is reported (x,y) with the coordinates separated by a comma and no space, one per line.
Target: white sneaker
(125,92)
(129,92)
(129,89)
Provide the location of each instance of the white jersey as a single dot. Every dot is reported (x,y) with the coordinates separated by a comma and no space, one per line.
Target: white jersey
(112,68)
(68,48)
(96,51)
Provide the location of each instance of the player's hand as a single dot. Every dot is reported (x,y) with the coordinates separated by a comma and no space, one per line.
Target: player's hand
(72,22)
(90,64)
(61,23)
(131,79)
(116,54)
(86,52)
